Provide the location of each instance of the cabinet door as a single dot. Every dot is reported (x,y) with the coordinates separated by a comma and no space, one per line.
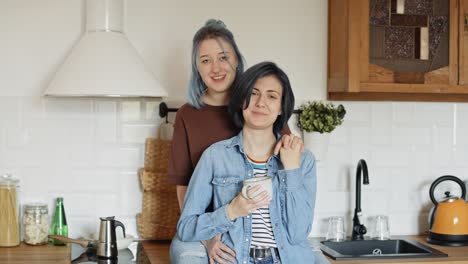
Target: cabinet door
(412,43)
(463,43)
(404,50)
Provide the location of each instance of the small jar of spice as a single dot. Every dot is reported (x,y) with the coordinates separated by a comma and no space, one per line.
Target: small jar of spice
(36,224)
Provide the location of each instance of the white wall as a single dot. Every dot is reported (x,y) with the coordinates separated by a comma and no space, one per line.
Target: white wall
(89,150)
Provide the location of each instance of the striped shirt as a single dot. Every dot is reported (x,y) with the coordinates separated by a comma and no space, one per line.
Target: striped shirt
(262,231)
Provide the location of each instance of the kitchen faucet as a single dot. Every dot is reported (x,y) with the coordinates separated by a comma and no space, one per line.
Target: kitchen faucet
(359,229)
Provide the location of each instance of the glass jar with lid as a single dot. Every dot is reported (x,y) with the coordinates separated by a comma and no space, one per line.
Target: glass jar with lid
(35,223)
(9,211)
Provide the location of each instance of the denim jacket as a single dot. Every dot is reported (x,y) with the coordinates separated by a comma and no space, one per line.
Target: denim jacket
(218,178)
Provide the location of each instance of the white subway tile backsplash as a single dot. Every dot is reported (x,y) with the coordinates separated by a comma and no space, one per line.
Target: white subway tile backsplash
(67,108)
(33,186)
(381,113)
(17,136)
(119,157)
(32,108)
(92,204)
(411,135)
(336,178)
(403,112)
(94,180)
(31,157)
(359,152)
(131,110)
(82,155)
(81,226)
(82,131)
(399,201)
(379,177)
(461,114)
(461,172)
(356,112)
(339,136)
(106,121)
(381,134)
(374,202)
(442,155)
(106,204)
(333,202)
(359,135)
(412,222)
(89,151)
(442,136)
(422,167)
(462,136)
(395,156)
(45,132)
(152,110)
(460,156)
(129,189)
(10,113)
(434,113)
(138,133)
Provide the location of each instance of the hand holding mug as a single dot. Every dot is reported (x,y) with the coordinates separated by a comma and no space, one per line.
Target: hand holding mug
(242,206)
(265,182)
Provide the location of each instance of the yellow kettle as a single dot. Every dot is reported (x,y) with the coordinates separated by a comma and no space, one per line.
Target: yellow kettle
(449,217)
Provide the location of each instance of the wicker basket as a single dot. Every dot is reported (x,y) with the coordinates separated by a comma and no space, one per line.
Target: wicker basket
(157,154)
(151,230)
(161,207)
(160,212)
(155,181)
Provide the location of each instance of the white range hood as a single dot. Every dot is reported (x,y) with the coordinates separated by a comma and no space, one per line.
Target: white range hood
(104,63)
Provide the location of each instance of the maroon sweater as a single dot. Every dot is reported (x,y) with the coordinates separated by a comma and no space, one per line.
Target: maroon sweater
(194,131)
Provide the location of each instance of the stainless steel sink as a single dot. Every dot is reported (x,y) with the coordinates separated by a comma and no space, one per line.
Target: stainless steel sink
(395,248)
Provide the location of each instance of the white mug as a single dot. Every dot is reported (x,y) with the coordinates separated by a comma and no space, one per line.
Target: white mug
(265,182)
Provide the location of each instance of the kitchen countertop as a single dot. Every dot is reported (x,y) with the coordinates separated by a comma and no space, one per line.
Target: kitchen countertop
(35,254)
(158,252)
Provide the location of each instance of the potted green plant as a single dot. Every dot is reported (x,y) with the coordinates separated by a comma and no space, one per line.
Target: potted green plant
(317,119)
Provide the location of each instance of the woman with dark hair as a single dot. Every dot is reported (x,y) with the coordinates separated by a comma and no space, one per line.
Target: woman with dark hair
(259,228)
(216,64)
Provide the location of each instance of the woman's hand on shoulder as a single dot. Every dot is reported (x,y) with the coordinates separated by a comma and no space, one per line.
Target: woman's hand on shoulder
(242,206)
(288,141)
(290,148)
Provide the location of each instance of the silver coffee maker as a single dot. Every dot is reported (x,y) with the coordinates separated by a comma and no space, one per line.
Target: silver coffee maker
(107,244)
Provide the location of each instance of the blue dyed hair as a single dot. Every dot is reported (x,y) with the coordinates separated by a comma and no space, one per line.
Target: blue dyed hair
(211,30)
(240,95)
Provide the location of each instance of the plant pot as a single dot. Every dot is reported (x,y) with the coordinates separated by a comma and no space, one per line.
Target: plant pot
(317,143)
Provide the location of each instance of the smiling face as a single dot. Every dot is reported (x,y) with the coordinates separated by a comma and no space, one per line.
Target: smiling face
(265,103)
(217,63)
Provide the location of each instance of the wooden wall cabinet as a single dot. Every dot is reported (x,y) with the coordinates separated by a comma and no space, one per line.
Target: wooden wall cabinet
(351,76)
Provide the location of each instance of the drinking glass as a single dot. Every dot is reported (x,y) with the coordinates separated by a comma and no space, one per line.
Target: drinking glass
(336,230)
(381,228)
